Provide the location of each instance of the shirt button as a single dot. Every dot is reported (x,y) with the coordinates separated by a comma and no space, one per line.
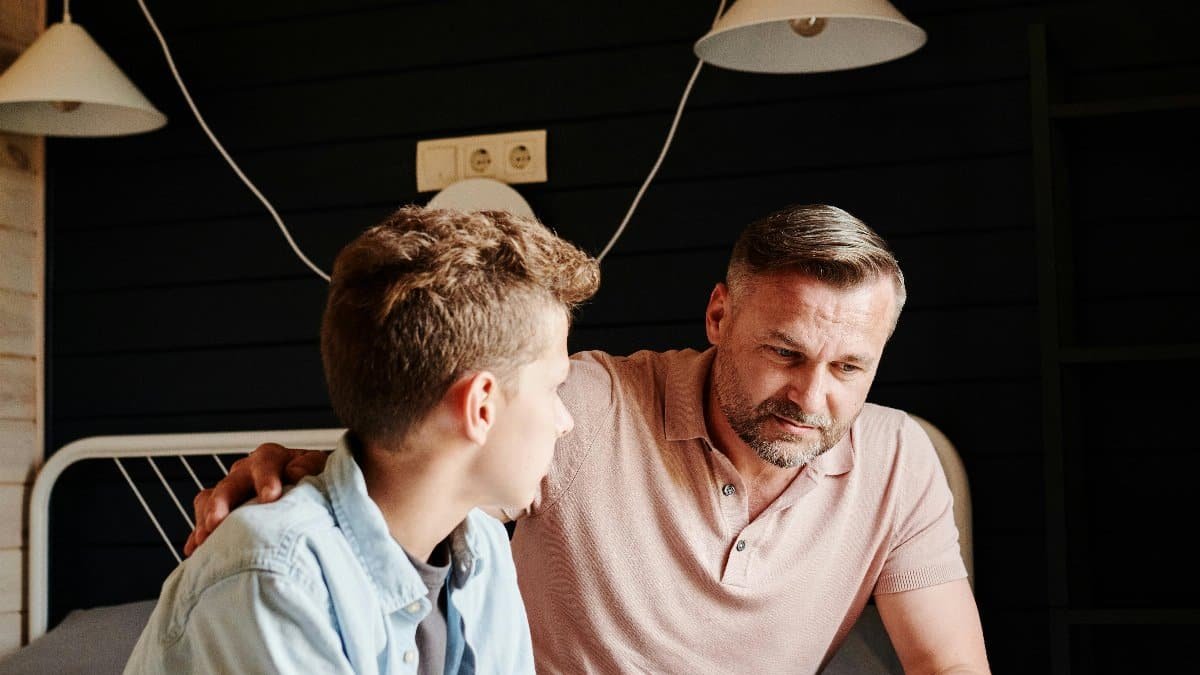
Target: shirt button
(741,545)
(413,608)
(728,490)
(410,656)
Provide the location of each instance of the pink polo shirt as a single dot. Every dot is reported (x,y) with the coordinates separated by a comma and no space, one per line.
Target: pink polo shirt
(639,554)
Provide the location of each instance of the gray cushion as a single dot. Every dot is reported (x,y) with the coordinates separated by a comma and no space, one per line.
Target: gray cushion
(89,641)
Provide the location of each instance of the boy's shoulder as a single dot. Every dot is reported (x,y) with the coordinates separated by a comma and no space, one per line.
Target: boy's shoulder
(283,537)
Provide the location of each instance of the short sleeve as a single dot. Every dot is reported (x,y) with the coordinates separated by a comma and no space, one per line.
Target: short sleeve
(588,395)
(924,549)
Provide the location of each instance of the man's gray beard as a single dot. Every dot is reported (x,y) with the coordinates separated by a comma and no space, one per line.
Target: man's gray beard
(747,423)
(782,451)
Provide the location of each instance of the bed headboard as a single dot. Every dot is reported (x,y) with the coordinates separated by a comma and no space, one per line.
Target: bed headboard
(139,448)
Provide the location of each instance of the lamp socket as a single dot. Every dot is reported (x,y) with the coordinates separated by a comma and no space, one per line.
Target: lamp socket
(514,157)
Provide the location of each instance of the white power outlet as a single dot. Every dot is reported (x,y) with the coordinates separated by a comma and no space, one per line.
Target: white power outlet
(515,157)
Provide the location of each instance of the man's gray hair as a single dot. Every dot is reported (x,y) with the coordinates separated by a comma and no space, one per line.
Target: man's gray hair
(821,241)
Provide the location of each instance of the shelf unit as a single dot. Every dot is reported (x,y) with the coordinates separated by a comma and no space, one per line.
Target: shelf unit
(1063,357)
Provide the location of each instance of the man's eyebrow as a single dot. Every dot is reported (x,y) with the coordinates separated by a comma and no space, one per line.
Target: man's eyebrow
(779,336)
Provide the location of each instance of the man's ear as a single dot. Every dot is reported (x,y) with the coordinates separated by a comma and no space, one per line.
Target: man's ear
(476,404)
(718,308)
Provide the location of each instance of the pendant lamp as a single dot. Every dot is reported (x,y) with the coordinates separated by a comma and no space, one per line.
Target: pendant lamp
(65,85)
(808,36)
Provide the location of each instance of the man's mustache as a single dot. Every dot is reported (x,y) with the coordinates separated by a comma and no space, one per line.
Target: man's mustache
(791,412)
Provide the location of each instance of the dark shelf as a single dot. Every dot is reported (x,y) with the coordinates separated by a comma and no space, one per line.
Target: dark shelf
(1125,106)
(1110,616)
(1131,354)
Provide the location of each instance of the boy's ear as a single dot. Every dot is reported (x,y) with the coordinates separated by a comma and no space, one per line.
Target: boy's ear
(477,405)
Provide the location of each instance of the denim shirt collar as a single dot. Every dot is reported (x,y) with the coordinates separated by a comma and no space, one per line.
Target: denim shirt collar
(397,582)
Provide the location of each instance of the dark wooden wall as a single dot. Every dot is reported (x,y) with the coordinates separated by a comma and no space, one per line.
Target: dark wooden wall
(177,306)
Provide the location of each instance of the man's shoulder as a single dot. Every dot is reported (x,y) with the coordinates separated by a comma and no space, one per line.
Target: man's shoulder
(891,438)
(596,371)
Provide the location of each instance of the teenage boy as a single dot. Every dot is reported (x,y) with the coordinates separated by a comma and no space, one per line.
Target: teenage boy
(444,343)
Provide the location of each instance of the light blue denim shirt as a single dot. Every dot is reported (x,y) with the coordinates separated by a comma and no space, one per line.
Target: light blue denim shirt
(314,583)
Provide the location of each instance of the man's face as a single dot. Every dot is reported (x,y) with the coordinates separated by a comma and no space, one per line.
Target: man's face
(795,360)
(530,418)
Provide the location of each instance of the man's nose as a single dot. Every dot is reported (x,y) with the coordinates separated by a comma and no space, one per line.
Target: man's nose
(807,390)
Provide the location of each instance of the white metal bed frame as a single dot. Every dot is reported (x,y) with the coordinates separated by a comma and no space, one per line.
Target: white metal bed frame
(146,447)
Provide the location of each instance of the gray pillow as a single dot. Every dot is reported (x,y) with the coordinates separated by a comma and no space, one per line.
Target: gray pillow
(88,642)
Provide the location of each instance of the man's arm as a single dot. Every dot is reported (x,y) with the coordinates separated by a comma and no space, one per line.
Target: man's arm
(935,629)
(262,473)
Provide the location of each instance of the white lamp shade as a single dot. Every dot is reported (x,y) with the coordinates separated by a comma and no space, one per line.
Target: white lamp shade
(481,194)
(757,36)
(65,85)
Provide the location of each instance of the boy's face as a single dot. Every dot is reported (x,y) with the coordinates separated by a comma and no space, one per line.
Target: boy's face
(530,419)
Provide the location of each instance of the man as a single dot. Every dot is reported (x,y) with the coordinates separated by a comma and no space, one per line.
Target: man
(733,510)
(383,563)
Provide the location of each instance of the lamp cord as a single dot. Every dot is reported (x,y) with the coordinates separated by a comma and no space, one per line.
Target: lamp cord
(663,153)
(220,148)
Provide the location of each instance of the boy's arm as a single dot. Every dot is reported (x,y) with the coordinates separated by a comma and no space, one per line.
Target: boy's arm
(251,622)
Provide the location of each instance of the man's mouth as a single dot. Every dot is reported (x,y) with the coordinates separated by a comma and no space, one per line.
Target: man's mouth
(793,426)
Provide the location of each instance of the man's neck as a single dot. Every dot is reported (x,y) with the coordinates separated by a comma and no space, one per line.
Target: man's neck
(418,496)
(764,481)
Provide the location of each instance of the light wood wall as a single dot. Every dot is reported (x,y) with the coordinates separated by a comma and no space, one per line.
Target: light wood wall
(22,266)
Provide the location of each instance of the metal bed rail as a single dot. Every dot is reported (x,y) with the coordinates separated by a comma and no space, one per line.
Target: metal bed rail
(148,447)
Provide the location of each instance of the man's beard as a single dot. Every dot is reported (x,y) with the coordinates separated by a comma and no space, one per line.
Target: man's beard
(749,422)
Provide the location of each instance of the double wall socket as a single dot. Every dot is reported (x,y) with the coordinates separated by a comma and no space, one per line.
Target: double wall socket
(514,157)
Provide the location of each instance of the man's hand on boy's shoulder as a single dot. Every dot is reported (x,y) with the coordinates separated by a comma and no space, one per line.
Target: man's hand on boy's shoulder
(262,473)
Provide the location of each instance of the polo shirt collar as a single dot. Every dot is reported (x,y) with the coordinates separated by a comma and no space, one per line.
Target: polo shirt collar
(683,415)
(686,386)
(397,583)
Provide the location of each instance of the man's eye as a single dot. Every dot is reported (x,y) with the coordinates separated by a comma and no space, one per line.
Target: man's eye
(848,368)
(785,353)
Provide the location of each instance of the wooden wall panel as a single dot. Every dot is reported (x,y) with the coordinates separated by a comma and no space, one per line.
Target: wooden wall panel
(20,197)
(18,450)
(12,505)
(11,562)
(18,323)
(18,393)
(18,260)
(12,626)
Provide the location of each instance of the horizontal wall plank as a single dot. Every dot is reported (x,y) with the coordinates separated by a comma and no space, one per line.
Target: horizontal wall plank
(12,515)
(950,269)
(891,129)
(270,378)
(281,377)
(11,575)
(20,199)
(18,387)
(971,195)
(968,412)
(17,318)
(18,450)
(18,258)
(1007,581)
(1105,250)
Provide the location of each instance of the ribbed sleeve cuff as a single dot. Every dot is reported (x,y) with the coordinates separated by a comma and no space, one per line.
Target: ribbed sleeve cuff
(923,577)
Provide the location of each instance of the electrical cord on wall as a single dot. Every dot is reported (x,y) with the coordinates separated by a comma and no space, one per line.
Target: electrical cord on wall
(279,220)
(662,154)
(220,148)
